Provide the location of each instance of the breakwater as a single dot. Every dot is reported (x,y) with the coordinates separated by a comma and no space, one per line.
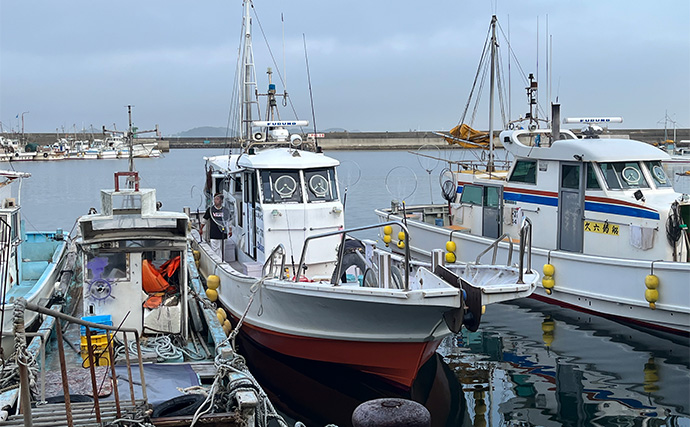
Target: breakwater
(364,140)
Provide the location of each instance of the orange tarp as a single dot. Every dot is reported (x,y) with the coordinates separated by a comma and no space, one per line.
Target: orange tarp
(465,132)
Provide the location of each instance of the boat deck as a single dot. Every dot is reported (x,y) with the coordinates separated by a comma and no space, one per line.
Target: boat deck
(83,414)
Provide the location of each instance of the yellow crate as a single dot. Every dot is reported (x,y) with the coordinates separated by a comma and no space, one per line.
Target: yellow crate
(99,344)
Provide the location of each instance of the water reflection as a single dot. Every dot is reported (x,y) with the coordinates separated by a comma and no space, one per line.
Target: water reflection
(537,364)
(321,393)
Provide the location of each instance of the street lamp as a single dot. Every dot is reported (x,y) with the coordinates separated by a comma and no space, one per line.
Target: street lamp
(25,112)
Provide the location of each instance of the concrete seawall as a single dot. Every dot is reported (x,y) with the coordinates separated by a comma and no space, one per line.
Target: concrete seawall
(364,140)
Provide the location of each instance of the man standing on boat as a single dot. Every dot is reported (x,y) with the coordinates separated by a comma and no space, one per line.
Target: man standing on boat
(219,218)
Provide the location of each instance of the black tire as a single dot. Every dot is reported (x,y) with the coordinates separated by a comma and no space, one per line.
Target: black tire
(351,257)
(178,406)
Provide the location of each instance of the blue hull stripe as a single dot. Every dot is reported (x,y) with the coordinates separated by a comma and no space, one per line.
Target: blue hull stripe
(589,206)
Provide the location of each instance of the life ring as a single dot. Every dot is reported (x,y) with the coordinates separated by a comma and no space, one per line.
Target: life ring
(178,406)
(45,155)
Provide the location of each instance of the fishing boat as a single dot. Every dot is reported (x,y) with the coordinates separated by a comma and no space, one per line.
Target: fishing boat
(613,237)
(29,260)
(289,273)
(153,347)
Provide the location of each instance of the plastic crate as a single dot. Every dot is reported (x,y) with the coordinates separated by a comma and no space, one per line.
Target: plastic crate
(104,319)
(99,344)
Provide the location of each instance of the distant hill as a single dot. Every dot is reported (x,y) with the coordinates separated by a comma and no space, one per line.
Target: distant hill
(329,130)
(205,131)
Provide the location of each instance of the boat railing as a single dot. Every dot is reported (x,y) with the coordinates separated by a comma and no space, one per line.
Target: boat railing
(525,246)
(20,334)
(341,250)
(269,267)
(525,249)
(494,246)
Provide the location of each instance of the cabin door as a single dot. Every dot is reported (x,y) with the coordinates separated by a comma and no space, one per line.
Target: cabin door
(492,211)
(250,202)
(571,202)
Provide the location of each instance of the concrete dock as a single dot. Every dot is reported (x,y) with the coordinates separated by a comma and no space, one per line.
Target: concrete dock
(365,140)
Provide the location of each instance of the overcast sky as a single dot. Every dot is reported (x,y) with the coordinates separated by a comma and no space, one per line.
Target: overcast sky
(374,66)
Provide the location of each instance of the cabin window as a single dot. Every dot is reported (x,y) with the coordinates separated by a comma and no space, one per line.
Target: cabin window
(592,182)
(321,185)
(570,176)
(623,175)
(658,174)
(524,171)
(110,266)
(281,186)
(472,194)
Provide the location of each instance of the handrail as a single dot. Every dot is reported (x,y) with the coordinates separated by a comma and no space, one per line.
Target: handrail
(21,305)
(494,246)
(341,249)
(525,242)
(269,261)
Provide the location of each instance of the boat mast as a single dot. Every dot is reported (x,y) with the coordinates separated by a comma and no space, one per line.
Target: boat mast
(247,81)
(490,163)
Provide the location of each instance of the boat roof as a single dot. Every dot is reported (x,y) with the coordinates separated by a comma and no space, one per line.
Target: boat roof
(286,158)
(588,150)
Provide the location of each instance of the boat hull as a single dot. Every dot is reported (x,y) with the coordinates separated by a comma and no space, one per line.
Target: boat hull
(398,362)
(387,332)
(37,291)
(608,286)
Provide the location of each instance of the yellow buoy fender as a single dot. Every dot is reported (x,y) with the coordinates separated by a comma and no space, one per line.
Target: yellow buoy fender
(197,254)
(651,294)
(549,270)
(651,281)
(401,244)
(450,246)
(401,235)
(213,281)
(450,257)
(387,239)
(388,230)
(221,315)
(212,294)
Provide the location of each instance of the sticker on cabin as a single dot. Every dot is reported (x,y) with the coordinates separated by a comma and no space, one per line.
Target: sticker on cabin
(602,227)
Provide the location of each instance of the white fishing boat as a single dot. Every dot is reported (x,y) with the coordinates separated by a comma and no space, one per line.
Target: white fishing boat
(29,260)
(289,275)
(612,232)
(141,307)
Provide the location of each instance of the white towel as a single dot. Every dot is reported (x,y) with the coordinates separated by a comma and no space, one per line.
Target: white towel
(641,237)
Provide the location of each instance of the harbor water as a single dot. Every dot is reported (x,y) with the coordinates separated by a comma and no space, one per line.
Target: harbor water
(530,364)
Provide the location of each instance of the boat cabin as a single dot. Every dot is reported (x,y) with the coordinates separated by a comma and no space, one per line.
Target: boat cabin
(134,259)
(584,191)
(278,195)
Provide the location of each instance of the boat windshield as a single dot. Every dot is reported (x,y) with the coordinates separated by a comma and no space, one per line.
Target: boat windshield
(623,175)
(658,174)
(285,186)
(281,186)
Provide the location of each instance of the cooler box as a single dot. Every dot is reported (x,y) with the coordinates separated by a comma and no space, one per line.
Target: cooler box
(104,319)
(101,355)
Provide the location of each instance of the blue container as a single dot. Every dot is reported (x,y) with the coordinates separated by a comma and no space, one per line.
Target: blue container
(439,222)
(104,319)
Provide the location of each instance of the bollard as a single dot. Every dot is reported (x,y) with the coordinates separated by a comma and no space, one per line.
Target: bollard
(389,412)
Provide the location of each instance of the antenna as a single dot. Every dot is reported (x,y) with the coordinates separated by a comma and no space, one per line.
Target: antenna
(311,95)
(284,67)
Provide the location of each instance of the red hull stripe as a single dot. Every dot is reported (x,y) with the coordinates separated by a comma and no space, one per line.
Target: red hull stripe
(395,361)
